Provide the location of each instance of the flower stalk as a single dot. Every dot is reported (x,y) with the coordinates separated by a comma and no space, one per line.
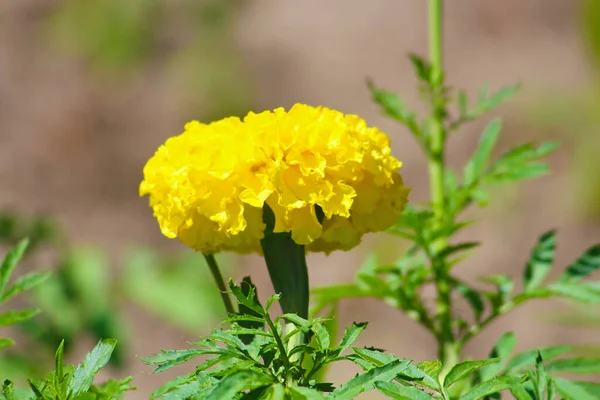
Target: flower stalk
(216,273)
(448,352)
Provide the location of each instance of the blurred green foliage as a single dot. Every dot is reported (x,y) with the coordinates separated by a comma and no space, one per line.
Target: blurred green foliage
(85,295)
(171,287)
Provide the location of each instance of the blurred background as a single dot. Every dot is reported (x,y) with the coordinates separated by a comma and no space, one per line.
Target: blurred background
(90,89)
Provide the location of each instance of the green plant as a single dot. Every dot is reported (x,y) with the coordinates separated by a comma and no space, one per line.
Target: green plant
(22,284)
(257,358)
(67,382)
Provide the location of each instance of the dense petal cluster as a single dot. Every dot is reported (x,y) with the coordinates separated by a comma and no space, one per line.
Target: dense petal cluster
(328,177)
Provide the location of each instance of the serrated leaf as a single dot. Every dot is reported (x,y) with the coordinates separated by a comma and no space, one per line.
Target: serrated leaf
(432,369)
(487,388)
(528,358)
(478,163)
(501,350)
(572,390)
(230,386)
(93,362)
(575,365)
(171,385)
(9,263)
(169,358)
(584,265)
(392,106)
(14,317)
(465,368)
(304,393)
(24,283)
(365,382)
(520,163)
(540,261)
(351,334)
(399,392)
(374,357)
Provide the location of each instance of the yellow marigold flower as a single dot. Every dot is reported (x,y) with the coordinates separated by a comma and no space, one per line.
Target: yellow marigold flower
(328,177)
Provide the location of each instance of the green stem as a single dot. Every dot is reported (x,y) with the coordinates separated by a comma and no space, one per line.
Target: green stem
(447,349)
(216,273)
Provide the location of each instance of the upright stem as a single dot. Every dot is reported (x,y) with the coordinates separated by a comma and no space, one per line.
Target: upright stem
(216,273)
(447,350)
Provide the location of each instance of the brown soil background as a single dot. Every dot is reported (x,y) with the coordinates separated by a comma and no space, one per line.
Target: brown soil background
(74,145)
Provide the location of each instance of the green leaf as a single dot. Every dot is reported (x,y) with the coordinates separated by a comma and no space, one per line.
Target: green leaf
(167,359)
(93,362)
(14,317)
(501,350)
(304,393)
(580,293)
(540,261)
(465,368)
(551,392)
(473,297)
(422,68)
(9,263)
(453,249)
(258,323)
(541,377)
(478,163)
(528,358)
(432,369)
(393,107)
(486,103)
(572,390)
(365,382)
(584,265)
(518,390)
(230,386)
(4,343)
(504,287)
(520,163)
(24,283)
(351,334)
(399,392)
(487,388)
(8,390)
(575,365)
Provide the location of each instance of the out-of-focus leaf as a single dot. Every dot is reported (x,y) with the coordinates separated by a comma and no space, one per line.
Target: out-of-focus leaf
(393,107)
(540,261)
(501,350)
(584,265)
(9,263)
(478,163)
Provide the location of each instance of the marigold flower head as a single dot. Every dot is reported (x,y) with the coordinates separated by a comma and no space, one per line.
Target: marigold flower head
(327,177)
